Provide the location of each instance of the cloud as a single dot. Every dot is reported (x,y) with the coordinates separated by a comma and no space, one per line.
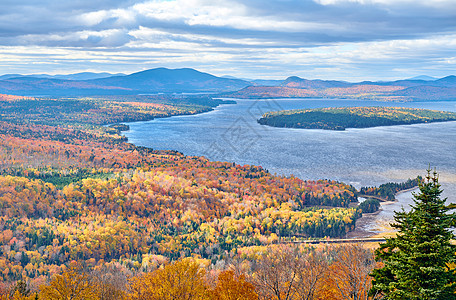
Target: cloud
(337,20)
(324,37)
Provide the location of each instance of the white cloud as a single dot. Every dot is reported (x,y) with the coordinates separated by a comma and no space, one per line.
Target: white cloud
(221,14)
(428,3)
(93,18)
(145,35)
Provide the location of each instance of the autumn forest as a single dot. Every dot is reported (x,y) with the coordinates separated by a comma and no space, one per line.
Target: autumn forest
(80,206)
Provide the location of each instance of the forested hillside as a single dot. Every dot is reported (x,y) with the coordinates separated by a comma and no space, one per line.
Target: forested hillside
(72,189)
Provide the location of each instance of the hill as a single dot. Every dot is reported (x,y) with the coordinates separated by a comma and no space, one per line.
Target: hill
(296,82)
(426,92)
(273,92)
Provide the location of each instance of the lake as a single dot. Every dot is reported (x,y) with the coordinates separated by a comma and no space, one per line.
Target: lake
(361,157)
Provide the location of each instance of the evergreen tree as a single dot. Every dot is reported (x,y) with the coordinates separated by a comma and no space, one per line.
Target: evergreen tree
(416,261)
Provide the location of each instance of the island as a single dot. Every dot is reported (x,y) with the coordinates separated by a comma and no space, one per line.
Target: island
(340,118)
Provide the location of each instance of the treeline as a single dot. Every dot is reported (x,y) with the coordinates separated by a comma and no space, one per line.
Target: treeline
(352,117)
(389,190)
(178,100)
(369,206)
(277,272)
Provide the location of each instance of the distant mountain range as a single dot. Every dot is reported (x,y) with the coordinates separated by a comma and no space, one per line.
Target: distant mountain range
(423,77)
(400,90)
(76,76)
(163,80)
(160,80)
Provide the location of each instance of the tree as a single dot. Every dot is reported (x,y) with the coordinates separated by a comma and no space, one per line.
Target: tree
(416,261)
(312,268)
(350,272)
(369,205)
(182,280)
(71,285)
(110,282)
(232,287)
(287,272)
(276,274)
(22,288)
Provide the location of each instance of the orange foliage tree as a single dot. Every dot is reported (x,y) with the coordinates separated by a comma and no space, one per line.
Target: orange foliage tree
(232,287)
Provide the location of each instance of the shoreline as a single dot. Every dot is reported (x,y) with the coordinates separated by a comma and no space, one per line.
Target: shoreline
(247,104)
(406,190)
(383,200)
(367,219)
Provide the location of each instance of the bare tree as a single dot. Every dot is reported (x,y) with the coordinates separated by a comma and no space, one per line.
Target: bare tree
(312,268)
(110,282)
(350,271)
(276,274)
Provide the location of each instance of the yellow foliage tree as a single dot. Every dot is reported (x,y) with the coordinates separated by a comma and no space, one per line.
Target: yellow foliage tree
(18,296)
(71,285)
(182,280)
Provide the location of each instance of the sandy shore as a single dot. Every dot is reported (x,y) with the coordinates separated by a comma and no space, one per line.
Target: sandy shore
(370,225)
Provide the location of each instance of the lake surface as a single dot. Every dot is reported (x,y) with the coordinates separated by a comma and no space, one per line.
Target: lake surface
(361,157)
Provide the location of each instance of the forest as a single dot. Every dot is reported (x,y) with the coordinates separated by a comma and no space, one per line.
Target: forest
(74,190)
(86,215)
(262,272)
(341,118)
(388,191)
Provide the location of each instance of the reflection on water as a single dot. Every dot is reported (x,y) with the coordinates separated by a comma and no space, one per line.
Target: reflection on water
(362,157)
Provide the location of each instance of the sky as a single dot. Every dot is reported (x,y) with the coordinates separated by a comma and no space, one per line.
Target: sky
(350,40)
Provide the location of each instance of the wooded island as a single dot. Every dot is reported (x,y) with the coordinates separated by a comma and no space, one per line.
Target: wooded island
(340,118)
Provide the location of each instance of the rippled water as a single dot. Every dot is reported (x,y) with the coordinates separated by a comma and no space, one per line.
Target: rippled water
(361,157)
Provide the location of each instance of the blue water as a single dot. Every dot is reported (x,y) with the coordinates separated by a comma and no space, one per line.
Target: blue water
(361,157)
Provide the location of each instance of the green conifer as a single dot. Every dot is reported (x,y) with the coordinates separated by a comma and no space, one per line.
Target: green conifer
(417,261)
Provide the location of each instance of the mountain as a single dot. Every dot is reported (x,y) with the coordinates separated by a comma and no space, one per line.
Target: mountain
(9,76)
(150,81)
(399,90)
(447,81)
(296,82)
(428,93)
(173,80)
(232,77)
(31,86)
(406,83)
(163,80)
(423,77)
(267,82)
(76,76)
(267,92)
(86,76)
